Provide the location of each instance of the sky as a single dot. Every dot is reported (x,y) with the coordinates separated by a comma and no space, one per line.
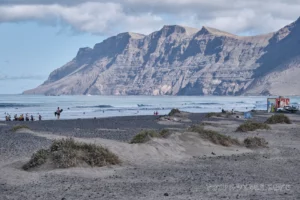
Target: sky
(39,36)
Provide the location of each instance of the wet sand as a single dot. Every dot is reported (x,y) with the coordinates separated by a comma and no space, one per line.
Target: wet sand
(159,169)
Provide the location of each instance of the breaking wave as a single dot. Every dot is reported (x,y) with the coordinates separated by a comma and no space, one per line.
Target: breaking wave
(205,104)
(98,106)
(16,105)
(143,105)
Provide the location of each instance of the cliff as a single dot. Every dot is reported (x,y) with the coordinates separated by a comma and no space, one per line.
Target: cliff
(179,60)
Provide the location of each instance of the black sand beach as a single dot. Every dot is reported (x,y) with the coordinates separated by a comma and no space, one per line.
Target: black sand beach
(106,128)
(146,171)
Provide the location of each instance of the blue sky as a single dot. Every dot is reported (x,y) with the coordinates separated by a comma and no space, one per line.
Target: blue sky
(38,36)
(30,51)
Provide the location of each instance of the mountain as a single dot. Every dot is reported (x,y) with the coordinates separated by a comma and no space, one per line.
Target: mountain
(178,60)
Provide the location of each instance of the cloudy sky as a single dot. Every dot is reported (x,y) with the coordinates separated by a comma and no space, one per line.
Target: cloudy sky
(38,36)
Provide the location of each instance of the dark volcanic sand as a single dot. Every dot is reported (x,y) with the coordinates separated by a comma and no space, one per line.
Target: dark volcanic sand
(265,170)
(89,128)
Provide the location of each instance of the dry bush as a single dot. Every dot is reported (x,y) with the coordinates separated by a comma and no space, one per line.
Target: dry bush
(37,159)
(174,111)
(18,127)
(67,153)
(214,136)
(165,133)
(252,126)
(255,142)
(144,136)
(278,119)
(212,114)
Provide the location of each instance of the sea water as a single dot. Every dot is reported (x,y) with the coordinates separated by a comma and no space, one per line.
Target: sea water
(75,107)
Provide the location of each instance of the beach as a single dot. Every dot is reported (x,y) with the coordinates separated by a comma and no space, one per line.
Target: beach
(182,166)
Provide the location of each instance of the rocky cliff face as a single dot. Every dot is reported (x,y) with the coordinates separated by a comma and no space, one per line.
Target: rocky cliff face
(178,60)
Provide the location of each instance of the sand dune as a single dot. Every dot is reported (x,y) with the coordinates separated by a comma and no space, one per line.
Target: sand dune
(181,166)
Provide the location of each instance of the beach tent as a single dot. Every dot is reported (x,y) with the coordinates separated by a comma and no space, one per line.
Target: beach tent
(247,115)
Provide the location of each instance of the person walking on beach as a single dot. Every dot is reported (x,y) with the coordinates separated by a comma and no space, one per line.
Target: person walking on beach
(40,117)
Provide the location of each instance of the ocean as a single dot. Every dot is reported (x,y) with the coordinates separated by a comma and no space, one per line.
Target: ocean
(75,107)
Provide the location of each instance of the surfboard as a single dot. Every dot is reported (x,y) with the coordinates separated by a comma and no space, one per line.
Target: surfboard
(55,113)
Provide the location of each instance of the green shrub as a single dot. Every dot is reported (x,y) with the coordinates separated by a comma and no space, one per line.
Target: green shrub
(212,114)
(255,142)
(144,136)
(278,119)
(174,111)
(252,126)
(18,127)
(214,136)
(67,153)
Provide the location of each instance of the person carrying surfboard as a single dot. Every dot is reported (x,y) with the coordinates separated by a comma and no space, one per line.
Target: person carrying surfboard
(57,113)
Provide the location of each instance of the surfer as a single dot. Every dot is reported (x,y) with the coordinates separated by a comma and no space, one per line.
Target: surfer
(57,113)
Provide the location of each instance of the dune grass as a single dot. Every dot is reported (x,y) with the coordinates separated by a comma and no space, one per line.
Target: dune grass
(165,133)
(252,126)
(66,153)
(18,127)
(39,158)
(174,111)
(144,136)
(213,114)
(278,119)
(214,136)
(255,142)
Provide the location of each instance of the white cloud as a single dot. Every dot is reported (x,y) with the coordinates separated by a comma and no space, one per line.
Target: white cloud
(110,17)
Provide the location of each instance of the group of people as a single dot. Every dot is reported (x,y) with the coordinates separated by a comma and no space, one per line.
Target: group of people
(155,113)
(31,117)
(22,118)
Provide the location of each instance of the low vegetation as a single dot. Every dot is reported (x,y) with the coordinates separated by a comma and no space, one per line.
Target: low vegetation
(39,158)
(174,111)
(208,124)
(255,142)
(278,119)
(252,126)
(144,136)
(214,136)
(165,133)
(212,114)
(18,127)
(67,153)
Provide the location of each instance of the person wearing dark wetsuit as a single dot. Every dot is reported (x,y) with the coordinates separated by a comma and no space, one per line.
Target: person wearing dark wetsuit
(58,113)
